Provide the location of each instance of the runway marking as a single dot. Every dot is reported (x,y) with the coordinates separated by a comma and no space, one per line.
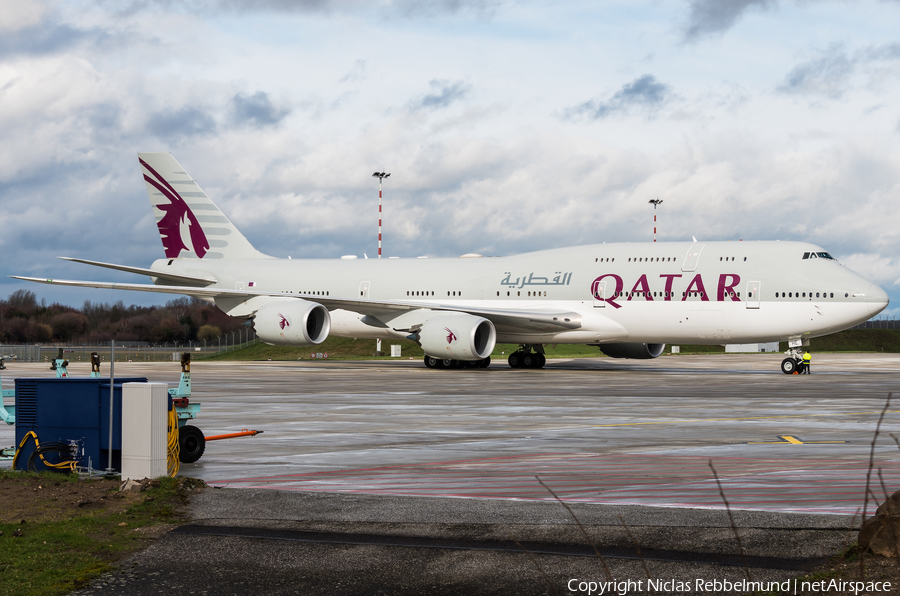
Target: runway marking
(820,485)
(742,418)
(792,440)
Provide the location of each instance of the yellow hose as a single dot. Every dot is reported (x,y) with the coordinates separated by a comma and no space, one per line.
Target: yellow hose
(72,465)
(174,463)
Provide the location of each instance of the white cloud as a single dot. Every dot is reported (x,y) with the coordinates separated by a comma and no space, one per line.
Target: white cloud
(22,14)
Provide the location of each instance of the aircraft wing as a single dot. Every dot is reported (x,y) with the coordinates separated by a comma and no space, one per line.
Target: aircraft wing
(187,280)
(523,319)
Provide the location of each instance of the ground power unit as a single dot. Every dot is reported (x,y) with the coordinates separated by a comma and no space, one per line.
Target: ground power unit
(69,419)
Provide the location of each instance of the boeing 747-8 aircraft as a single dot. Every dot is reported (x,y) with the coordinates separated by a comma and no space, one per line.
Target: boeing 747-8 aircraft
(627,299)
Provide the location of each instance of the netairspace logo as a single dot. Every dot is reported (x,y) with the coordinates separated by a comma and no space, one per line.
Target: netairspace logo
(722,586)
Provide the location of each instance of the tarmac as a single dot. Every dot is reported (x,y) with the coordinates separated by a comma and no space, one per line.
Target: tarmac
(384,477)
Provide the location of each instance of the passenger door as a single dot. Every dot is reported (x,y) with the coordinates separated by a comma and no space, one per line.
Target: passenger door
(692,258)
(753,294)
(600,294)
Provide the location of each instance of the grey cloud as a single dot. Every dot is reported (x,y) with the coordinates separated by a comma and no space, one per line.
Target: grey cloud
(411,8)
(256,110)
(830,73)
(445,93)
(357,72)
(43,39)
(827,75)
(187,121)
(645,93)
(415,8)
(709,17)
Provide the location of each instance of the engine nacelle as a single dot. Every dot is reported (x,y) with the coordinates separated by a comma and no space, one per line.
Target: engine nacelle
(632,350)
(458,336)
(292,322)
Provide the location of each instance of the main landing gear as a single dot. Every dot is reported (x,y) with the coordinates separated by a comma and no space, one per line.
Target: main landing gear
(525,358)
(432,362)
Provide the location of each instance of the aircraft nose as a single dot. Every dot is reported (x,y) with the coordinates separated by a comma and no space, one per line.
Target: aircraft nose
(877,299)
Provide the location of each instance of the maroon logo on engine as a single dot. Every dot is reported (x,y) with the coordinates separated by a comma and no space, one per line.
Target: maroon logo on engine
(176,214)
(451,337)
(283,322)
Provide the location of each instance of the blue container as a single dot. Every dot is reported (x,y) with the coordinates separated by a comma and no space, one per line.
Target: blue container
(70,409)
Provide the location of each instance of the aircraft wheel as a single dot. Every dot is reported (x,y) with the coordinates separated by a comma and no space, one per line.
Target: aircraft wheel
(515,360)
(431,362)
(484,363)
(191,444)
(541,361)
(448,363)
(528,360)
(788,366)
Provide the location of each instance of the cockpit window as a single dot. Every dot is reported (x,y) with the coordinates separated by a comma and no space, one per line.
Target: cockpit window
(818,255)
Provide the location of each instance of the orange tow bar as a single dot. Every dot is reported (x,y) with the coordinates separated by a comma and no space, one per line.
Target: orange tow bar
(243,433)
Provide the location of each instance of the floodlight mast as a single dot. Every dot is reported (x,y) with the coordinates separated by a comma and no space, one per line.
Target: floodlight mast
(381,176)
(656,202)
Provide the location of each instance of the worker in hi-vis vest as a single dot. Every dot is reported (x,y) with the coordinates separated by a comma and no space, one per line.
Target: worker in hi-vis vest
(807,359)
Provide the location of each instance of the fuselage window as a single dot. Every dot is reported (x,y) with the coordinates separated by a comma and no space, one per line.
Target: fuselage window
(846,295)
(817,294)
(518,293)
(832,294)
(745,258)
(804,294)
(507,293)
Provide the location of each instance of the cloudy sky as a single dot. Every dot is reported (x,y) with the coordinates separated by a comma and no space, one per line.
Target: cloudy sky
(507,125)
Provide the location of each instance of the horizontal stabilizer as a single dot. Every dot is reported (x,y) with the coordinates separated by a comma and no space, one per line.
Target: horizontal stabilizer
(175,278)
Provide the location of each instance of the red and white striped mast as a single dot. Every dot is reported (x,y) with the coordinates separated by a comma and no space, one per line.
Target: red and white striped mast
(381,176)
(656,202)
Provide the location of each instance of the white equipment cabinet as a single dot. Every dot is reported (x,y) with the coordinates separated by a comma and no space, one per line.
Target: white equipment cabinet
(144,430)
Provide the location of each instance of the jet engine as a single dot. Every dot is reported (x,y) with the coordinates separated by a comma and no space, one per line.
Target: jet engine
(457,336)
(292,322)
(632,350)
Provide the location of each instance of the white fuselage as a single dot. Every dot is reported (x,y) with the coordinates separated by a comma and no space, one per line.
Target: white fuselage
(699,293)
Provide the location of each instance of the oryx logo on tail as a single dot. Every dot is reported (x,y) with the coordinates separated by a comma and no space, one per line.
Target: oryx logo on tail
(178,228)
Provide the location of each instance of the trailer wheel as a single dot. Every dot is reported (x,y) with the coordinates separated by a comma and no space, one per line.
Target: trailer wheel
(191,444)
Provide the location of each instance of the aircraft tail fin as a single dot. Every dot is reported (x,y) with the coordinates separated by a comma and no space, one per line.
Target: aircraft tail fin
(190,224)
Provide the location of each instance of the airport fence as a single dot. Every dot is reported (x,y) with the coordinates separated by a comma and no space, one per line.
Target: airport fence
(129,351)
(881,323)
